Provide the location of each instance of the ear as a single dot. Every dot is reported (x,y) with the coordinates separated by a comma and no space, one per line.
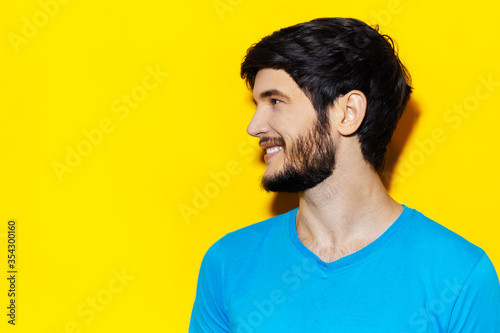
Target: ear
(352,112)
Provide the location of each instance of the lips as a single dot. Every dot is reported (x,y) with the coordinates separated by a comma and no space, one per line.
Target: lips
(272,146)
(272,151)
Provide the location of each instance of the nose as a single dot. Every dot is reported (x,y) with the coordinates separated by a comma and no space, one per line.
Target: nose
(259,124)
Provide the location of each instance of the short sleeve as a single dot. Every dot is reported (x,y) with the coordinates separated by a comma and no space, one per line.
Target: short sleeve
(477,308)
(208,313)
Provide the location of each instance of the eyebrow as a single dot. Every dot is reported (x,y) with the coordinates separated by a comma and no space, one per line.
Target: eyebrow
(273,92)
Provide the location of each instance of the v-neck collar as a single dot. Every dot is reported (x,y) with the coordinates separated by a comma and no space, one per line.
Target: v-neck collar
(354,259)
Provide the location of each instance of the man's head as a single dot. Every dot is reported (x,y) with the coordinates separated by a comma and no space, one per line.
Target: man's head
(300,150)
(324,60)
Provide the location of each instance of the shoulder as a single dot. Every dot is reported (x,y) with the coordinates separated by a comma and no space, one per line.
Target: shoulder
(259,232)
(261,228)
(439,244)
(453,270)
(253,238)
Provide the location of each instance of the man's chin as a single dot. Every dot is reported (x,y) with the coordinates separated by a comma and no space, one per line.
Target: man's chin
(292,182)
(277,183)
(270,182)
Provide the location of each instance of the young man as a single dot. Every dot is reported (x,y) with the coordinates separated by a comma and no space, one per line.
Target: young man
(329,94)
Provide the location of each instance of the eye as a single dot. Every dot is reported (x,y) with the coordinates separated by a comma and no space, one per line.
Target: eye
(275,101)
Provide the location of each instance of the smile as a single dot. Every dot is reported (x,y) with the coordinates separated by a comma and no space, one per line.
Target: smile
(270,152)
(273,149)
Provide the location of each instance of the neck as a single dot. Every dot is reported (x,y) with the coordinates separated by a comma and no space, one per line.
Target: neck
(345,213)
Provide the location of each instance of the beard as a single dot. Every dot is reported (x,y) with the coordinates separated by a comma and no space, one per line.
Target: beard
(308,162)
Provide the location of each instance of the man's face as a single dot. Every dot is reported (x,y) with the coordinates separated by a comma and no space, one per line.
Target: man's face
(300,152)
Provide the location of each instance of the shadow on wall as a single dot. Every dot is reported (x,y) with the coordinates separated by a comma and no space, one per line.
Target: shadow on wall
(400,137)
(284,202)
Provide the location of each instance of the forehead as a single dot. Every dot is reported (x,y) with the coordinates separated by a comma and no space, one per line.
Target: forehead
(275,79)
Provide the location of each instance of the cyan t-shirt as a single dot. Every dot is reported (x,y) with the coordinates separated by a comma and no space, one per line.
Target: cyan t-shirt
(418,276)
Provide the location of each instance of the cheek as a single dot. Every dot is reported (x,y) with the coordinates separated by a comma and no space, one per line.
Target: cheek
(292,125)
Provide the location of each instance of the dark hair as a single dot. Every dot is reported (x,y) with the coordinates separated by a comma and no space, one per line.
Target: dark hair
(327,58)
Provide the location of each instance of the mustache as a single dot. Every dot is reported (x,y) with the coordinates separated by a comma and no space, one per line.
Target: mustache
(278,141)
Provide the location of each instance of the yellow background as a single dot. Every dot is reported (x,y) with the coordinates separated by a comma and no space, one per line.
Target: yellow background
(133,203)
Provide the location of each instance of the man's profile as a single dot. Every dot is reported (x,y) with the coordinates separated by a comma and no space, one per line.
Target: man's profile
(328,96)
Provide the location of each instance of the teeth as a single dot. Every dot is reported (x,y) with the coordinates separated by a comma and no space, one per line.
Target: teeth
(273,150)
